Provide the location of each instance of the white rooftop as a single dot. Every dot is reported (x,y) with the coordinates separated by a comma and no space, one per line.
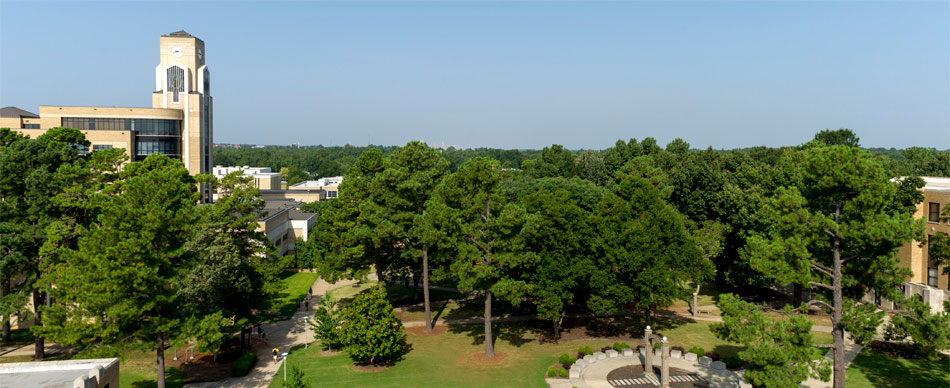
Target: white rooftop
(933,183)
(51,374)
(331,181)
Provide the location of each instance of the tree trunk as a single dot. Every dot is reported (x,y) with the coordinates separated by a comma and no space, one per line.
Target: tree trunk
(39,345)
(557,325)
(415,285)
(4,290)
(837,308)
(160,360)
(425,286)
(379,276)
(696,301)
(797,295)
(649,313)
(489,346)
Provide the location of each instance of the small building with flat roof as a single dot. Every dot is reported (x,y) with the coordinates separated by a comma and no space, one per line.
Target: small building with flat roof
(91,373)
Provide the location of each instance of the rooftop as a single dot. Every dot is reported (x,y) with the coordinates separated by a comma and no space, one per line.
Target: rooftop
(933,183)
(14,112)
(51,374)
(180,34)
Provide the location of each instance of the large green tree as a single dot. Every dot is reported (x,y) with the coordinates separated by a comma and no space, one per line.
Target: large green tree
(645,254)
(779,349)
(557,231)
(122,286)
(471,208)
(392,213)
(30,179)
(837,229)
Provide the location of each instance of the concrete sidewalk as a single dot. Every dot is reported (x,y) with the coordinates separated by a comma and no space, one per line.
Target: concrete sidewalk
(283,335)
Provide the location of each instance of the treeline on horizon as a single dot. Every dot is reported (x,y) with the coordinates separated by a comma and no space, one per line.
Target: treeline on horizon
(311,162)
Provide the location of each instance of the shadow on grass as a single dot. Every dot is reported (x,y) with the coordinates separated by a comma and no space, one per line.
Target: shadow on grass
(891,372)
(513,333)
(174,378)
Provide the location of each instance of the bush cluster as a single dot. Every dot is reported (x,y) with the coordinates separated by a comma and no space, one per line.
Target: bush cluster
(732,362)
(620,346)
(697,351)
(243,365)
(585,350)
(562,373)
(552,371)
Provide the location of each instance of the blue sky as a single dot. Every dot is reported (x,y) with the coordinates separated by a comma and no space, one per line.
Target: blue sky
(511,75)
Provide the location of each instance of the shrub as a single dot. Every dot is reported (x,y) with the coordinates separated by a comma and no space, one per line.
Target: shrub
(697,351)
(620,346)
(552,371)
(732,362)
(371,333)
(584,350)
(657,346)
(243,364)
(562,372)
(563,359)
(327,318)
(572,360)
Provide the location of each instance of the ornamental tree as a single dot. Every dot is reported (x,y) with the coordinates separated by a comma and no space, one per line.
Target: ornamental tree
(370,332)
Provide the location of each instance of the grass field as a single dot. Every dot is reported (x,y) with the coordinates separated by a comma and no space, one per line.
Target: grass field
(881,371)
(450,359)
(294,289)
(137,370)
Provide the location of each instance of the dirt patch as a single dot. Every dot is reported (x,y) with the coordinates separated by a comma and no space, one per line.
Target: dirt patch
(201,368)
(421,331)
(327,353)
(369,368)
(480,358)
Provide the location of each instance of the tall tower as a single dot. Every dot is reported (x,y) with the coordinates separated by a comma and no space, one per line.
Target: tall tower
(182,81)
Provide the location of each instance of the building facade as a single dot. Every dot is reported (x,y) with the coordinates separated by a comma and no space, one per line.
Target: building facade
(916,254)
(179,124)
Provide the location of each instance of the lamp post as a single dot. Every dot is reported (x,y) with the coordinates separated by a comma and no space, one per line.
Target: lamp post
(284,355)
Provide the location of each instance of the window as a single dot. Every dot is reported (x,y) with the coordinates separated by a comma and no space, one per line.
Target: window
(932,277)
(176,82)
(332,194)
(31,126)
(934,215)
(99,147)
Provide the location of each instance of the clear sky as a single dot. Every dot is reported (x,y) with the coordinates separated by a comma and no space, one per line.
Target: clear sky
(510,75)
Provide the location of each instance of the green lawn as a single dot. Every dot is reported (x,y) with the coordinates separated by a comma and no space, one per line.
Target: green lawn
(878,370)
(444,360)
(294,289)
(137,370)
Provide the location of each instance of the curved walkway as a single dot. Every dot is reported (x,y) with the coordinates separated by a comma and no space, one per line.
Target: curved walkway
(283,335)
(595,374)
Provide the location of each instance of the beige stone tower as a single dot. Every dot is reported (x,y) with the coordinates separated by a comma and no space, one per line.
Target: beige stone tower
(183,82)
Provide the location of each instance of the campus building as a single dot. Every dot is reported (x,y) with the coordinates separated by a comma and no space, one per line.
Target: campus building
(283,223)
(927,279)
(179,124)
(916,254)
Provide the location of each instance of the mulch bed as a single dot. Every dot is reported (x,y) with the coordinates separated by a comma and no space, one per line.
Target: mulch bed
(201,368)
